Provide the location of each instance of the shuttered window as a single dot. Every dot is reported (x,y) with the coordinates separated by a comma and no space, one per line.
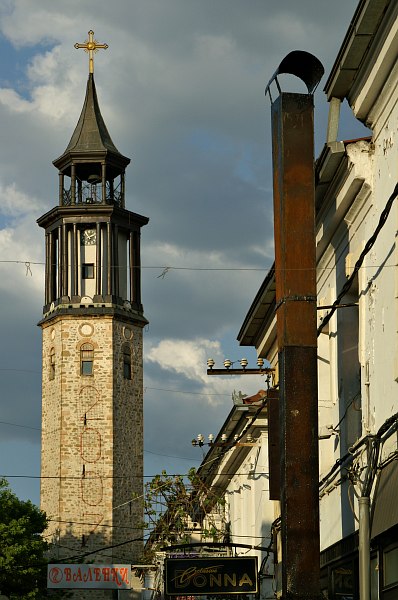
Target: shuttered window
(86,359)
(126,361)
(52,364)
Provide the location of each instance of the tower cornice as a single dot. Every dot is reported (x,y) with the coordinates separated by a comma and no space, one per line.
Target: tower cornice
(92,213)
(98,310)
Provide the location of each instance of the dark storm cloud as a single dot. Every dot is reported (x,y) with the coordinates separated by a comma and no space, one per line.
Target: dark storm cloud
(181,89)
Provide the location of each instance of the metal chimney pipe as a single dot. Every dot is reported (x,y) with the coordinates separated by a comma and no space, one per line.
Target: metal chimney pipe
(295,274)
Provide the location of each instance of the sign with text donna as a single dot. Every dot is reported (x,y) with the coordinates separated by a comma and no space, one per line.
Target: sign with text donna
(221,575)
(100,577)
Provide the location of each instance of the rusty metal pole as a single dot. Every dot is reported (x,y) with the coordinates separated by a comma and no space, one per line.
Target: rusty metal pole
(294,222)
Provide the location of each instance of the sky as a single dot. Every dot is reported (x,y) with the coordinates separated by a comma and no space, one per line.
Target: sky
(181,89)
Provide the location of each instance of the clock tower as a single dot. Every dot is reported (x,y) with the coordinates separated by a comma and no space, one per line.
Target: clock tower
(92,398)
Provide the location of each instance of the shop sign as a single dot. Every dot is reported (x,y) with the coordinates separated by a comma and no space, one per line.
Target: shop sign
(99,577)
(200,576)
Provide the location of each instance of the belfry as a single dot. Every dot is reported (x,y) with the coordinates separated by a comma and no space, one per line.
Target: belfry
(92,324)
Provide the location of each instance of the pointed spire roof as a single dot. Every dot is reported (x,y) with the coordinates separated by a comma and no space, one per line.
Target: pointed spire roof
(91,136)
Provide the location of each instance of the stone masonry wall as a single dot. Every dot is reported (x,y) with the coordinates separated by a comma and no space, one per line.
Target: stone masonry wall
(92,440)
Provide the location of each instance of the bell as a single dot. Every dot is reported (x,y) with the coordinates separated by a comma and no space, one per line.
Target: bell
(93,178)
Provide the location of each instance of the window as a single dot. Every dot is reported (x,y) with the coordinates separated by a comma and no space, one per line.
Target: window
(349,368)
(88,271)
(126,362)
(391,566)
(52,364)
(86,359)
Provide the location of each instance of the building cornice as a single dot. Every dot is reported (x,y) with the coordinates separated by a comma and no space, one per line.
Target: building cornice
(357,46)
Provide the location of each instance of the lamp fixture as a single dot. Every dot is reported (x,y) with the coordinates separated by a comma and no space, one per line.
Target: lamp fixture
(200,441)
(243,370)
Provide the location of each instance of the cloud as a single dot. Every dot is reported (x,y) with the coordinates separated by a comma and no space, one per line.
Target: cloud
(185,357)
(15,203)
(181,89)
(188,360)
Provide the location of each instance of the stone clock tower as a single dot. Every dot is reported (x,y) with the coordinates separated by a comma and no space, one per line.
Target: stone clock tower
(92,399)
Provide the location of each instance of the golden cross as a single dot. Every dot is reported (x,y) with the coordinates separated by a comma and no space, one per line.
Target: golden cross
(91,45)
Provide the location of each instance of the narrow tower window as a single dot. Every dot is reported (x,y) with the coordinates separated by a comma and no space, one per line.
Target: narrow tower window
(52,364)
(126,362)
(88,271)
(86,359)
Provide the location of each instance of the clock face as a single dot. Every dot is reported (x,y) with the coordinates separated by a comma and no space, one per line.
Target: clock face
(88,237)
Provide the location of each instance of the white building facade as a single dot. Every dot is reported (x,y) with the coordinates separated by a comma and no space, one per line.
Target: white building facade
(238,471)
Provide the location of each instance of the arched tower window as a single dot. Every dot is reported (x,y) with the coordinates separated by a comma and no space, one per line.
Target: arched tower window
(86,359)
(52,364)
(126,361)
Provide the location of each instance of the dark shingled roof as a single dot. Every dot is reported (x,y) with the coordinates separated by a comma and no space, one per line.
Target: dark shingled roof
(91,135)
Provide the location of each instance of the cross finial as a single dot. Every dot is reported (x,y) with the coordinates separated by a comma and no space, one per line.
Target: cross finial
(91,45)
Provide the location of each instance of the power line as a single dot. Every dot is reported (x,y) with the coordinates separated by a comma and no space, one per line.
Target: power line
(96,524)
(36,372)
(368,246)
(22,426)
(78,557)
(167,269)
(170,456)
(146,387)
(184,392)
(104,525)
(115,477)
(153,267)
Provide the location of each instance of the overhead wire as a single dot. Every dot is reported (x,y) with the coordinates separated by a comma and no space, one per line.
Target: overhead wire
(80,556)
(384,429)
(141,267)
(126,527)
(374,444)
(368,246)
(113,477)
(165,270)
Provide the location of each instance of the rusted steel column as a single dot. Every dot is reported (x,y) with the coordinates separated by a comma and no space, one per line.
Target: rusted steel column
(294,214)
(273,444)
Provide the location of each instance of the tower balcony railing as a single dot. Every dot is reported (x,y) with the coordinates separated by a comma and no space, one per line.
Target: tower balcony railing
(88,193)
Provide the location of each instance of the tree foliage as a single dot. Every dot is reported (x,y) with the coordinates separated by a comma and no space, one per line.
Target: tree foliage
(178,510)
(23,568)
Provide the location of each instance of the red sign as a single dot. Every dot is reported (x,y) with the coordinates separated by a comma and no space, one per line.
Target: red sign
(100,577)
